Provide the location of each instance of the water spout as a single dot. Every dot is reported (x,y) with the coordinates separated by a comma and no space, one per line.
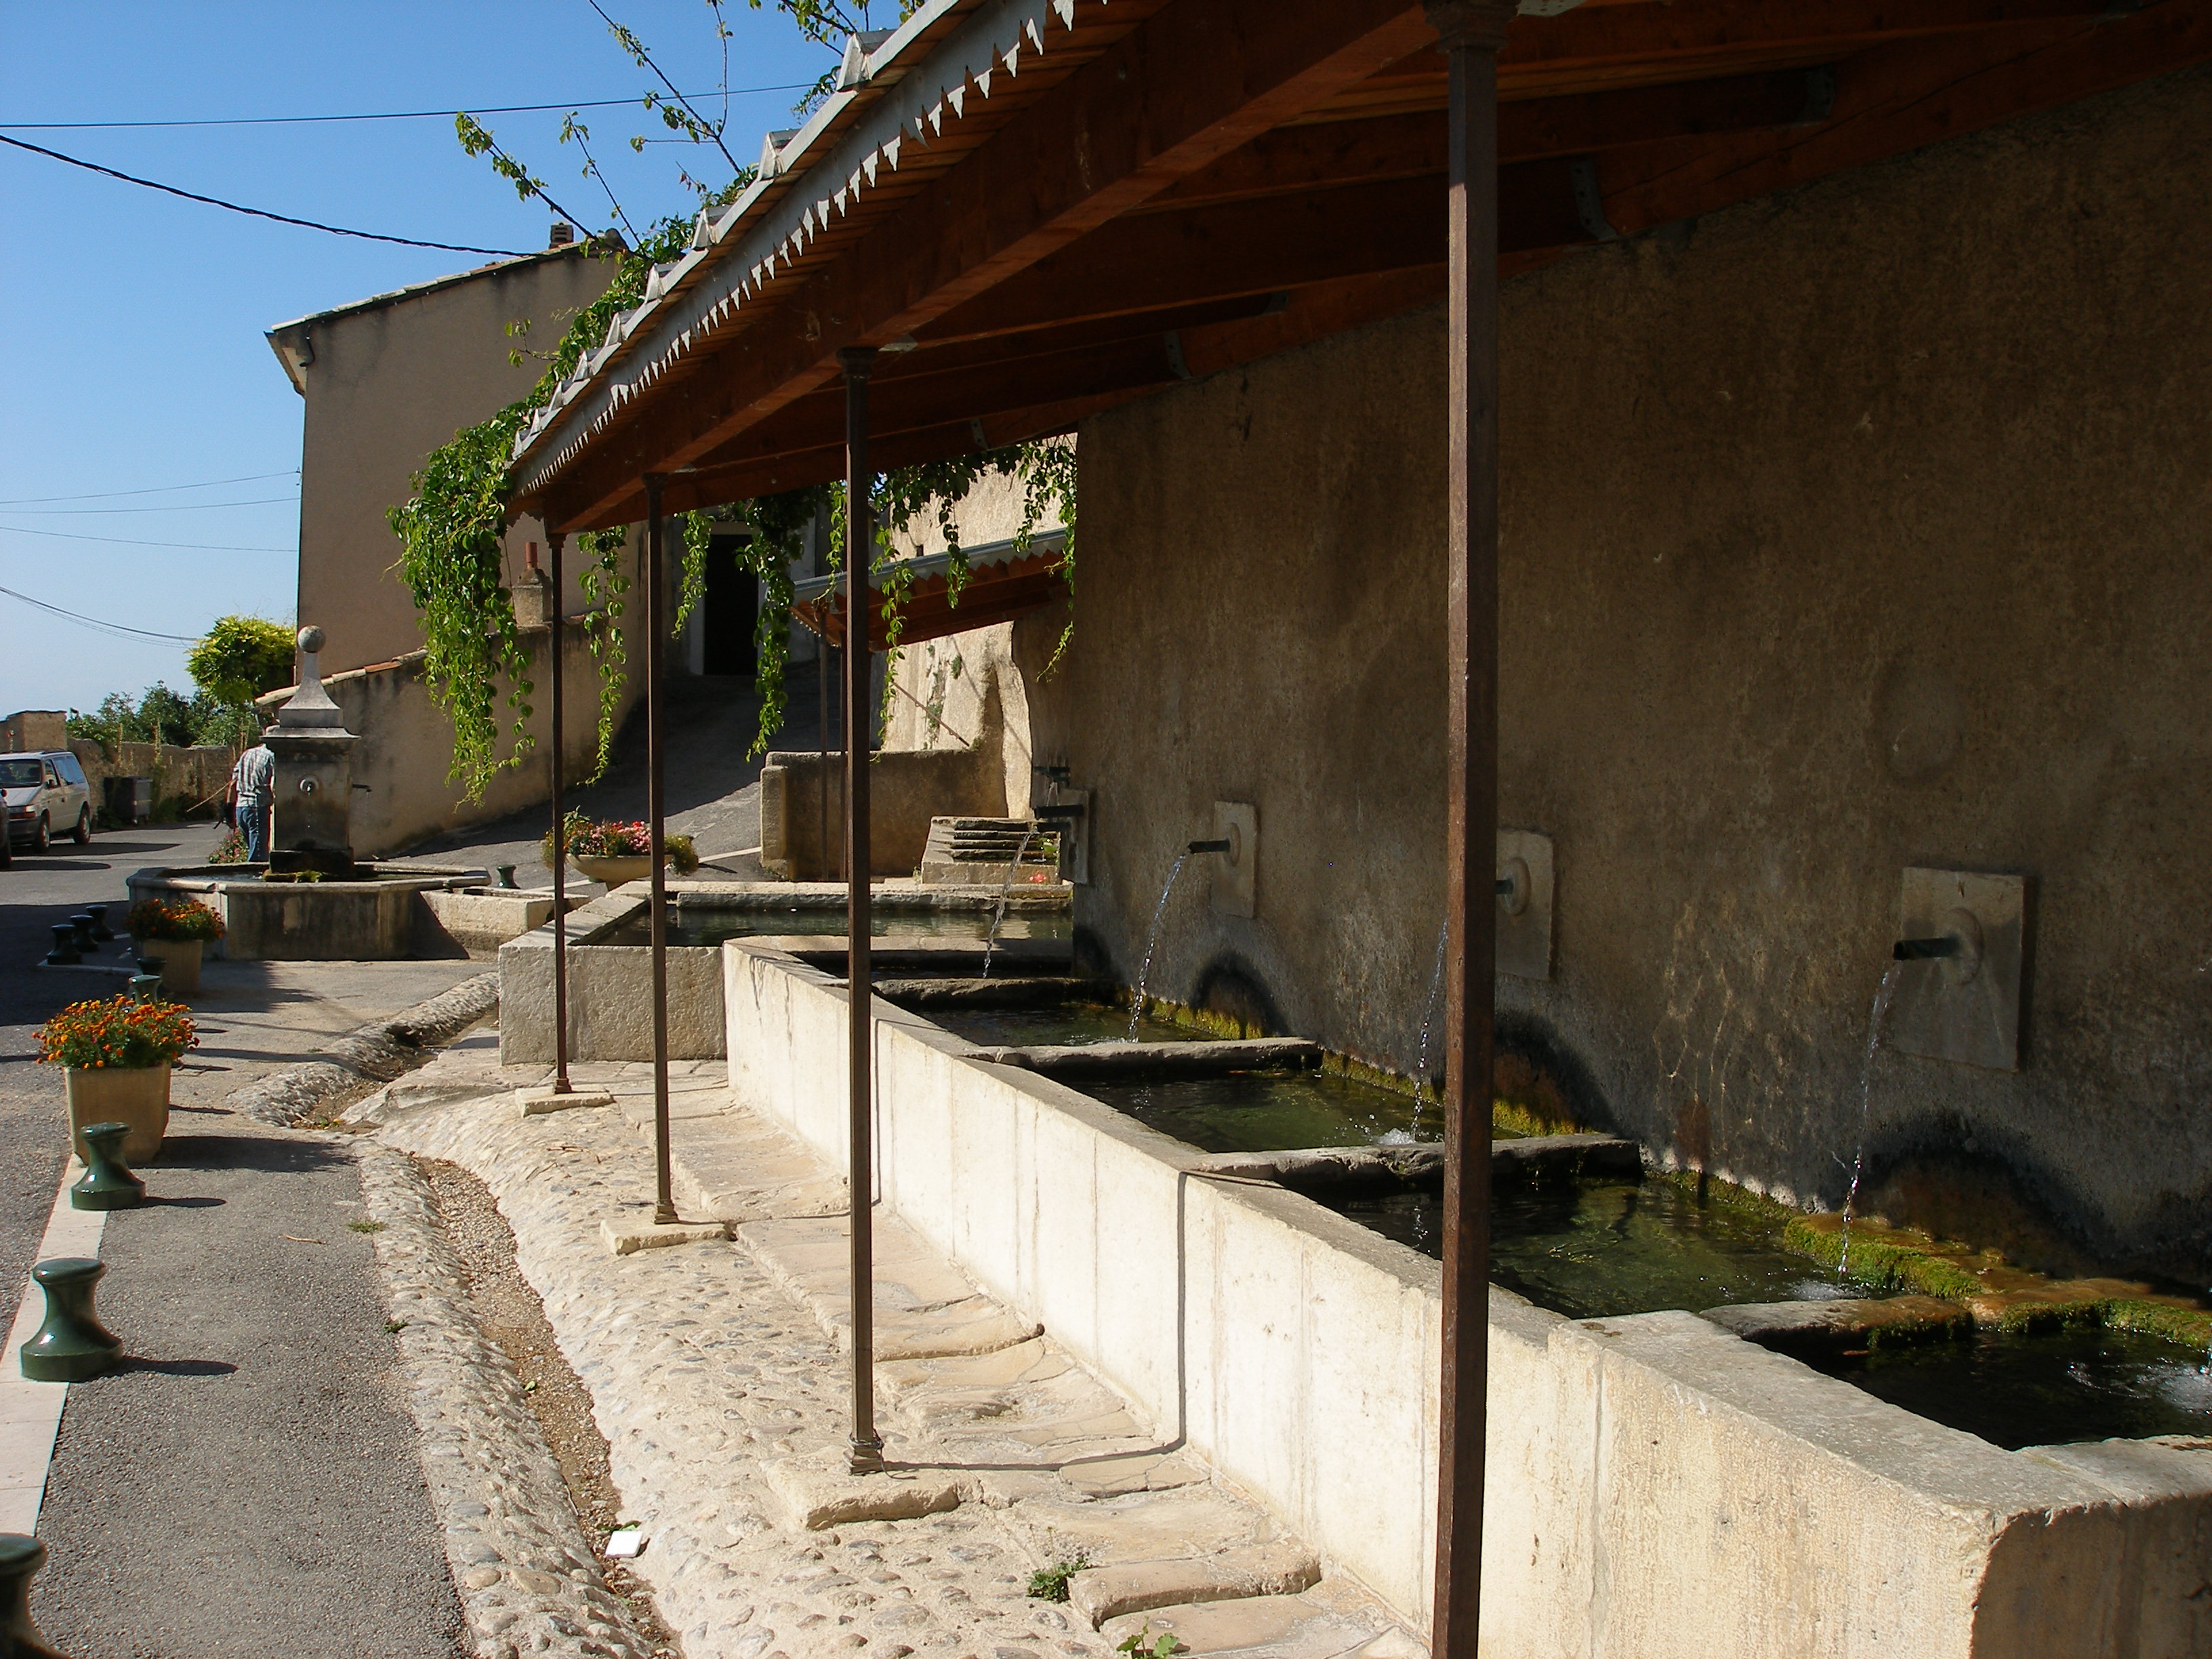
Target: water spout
(1928,949)
(1208,847)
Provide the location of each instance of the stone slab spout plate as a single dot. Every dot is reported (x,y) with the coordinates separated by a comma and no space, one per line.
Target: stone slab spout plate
(1524,908)
(1963,1008)
(1236,873)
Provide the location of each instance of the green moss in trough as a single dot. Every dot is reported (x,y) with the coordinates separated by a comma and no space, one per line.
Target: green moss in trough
(1879,1262)
(2190,1326)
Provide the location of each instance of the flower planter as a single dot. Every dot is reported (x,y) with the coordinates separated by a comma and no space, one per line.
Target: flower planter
(137,1096)
(180,962)
(613,872)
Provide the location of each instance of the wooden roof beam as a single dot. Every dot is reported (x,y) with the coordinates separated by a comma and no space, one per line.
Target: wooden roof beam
(1187,85)
(1291,160)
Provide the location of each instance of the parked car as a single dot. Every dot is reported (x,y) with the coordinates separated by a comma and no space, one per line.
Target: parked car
(46,796)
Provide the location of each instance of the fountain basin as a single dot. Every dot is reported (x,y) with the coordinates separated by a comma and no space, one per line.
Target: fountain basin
(1029,1011)
(611,955)
(383,919)
(1658,1485)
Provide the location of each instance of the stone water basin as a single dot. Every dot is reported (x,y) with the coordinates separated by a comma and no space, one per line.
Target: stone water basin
(692,927)
(1012,1010)
(1603,1248)
(1250,1111)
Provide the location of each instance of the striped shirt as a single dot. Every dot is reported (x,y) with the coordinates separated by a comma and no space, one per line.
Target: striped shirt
(255,774)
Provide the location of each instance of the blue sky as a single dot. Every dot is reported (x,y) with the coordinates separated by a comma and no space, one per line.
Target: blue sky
(136,358)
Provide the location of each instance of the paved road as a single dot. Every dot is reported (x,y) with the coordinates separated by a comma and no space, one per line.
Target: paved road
(34,893)
(249,1485)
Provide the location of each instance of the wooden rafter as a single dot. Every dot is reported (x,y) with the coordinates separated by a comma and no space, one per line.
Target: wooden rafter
(1212,183)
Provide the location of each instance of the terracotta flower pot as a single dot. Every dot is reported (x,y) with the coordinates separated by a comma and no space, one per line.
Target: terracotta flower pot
(613,872)
(113,1094)
(180,962)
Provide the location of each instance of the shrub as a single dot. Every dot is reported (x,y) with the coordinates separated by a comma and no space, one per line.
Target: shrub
(121,1032)
(178,920)
(617,839)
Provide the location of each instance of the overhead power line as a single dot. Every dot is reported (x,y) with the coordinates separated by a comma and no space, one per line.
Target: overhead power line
(151,489)
(99,625)
(126,541)
(258,213)
(380,115)
(172,506)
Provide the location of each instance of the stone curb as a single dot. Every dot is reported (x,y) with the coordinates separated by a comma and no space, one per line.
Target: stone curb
(375,1053)
(528,1579)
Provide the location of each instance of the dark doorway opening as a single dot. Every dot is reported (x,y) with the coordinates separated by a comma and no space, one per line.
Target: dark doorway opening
(730,611)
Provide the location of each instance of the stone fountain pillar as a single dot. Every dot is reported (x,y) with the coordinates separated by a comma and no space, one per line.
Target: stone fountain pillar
(313,789)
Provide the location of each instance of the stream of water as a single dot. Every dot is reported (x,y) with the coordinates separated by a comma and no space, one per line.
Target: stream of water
(999,915)
(1151,944)
(1428,1020)
(1882,997)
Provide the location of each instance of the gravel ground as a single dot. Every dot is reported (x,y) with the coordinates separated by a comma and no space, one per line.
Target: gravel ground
(249,1483)
(508,1312)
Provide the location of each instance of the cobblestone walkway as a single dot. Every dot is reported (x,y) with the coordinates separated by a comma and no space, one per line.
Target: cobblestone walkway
(716,1374)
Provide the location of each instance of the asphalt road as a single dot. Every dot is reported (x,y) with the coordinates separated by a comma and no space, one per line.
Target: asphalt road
(249,1483)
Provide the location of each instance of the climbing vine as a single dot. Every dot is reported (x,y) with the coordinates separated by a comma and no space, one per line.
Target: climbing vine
(452,530)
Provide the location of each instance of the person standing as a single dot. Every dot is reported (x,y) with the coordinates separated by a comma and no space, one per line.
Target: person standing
(252,782)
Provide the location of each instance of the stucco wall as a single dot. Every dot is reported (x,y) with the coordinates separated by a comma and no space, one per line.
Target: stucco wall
(407,741)
(385,386)
(1853,529)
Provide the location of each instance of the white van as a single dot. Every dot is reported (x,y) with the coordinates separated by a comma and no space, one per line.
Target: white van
(46,796)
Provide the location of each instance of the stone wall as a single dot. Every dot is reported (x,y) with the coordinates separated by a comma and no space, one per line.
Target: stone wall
(1853,529)
(33,728)
(196,778)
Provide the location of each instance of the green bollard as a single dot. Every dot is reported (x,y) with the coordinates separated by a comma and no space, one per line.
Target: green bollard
(72,1345)
(63,954)
(21,1558)
(107,1183)
(147,987)
(82,935)
(101,930)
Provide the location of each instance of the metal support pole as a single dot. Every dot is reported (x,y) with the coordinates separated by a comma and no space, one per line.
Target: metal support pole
(823,666)
(656,807)
(555,540)
(867,1452)
(1472,32)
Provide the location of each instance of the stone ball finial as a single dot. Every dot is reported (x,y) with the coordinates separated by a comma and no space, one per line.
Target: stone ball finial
(311,638)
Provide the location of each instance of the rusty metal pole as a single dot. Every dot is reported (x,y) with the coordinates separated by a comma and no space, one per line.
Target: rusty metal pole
(555,541)
(867,1449)
(828,665)
(1471,34)
(656,805)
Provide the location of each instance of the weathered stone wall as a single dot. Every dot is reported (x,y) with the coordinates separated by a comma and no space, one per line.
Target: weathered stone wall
(33,728)
(196,778)
(1857,528)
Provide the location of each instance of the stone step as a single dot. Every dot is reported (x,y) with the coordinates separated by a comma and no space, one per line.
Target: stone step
(1305,1626)
(924,1308)
(736,1167)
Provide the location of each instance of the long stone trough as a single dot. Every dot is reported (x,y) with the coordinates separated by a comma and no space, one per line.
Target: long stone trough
(1658,1487)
